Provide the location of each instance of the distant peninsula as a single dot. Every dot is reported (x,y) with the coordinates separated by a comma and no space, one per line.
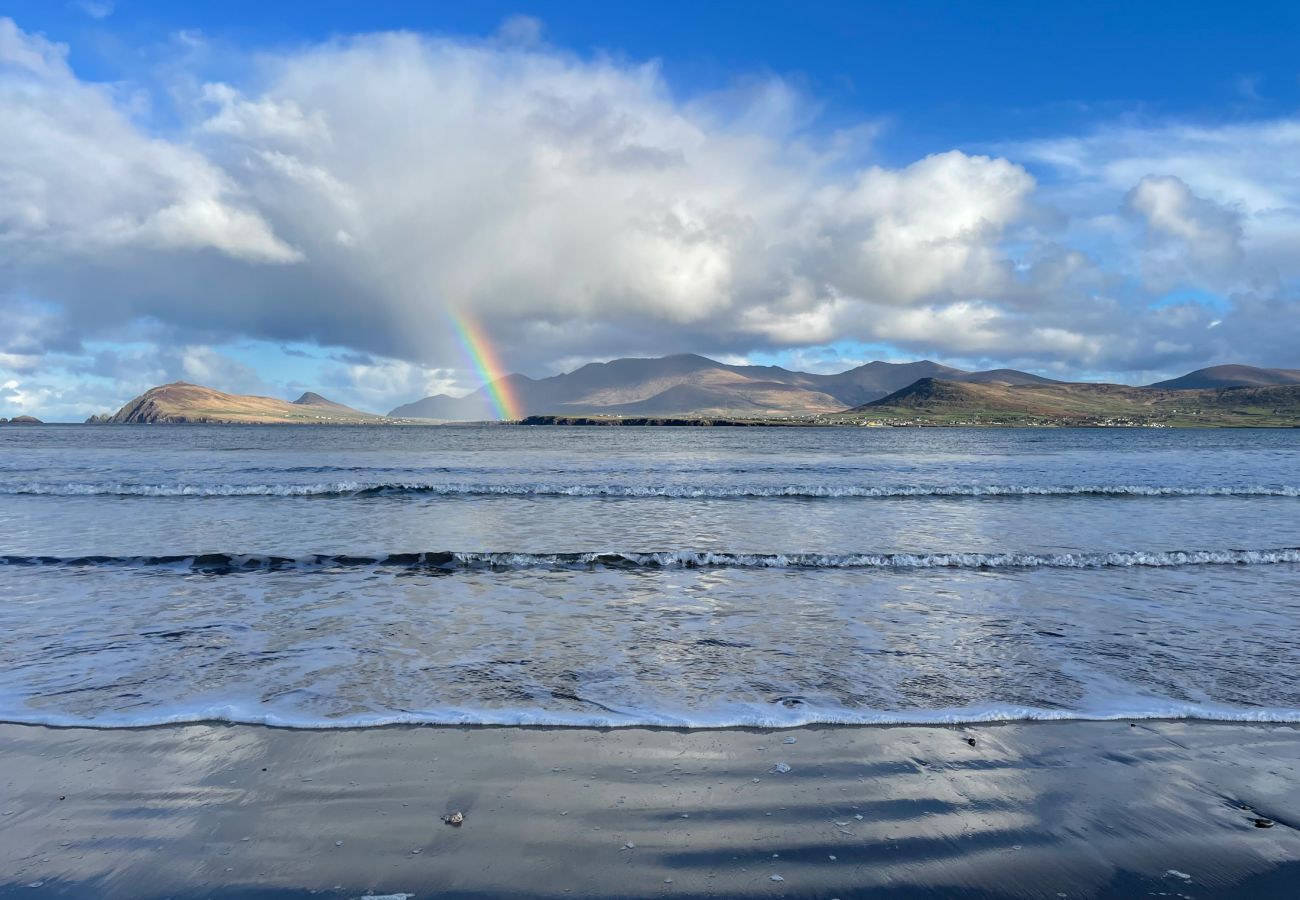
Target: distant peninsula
(933,401)
(688,390)
(692,390)
(181,403)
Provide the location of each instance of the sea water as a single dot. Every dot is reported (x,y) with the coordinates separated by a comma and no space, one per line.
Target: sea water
(336,576)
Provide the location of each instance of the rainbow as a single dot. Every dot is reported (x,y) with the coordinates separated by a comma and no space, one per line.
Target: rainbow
(488,365)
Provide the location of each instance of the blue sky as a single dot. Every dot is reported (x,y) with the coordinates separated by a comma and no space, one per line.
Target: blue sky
(947,74)
(283,196)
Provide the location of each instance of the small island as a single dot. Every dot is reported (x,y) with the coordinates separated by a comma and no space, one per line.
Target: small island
(181,403)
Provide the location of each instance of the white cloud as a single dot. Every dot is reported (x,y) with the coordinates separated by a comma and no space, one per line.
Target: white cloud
(204,365)
(96,9)
(524,31)
(374,384)
(1246,170)
(931,228)
(405,177)
(78,177)
(1189,234)
(355,192)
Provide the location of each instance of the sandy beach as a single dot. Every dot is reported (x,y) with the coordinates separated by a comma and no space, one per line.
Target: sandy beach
(1055,809)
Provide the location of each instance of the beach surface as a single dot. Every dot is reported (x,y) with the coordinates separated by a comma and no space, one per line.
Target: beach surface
(1036,809)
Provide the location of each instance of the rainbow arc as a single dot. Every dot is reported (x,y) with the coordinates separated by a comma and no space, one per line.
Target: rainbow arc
(488,365)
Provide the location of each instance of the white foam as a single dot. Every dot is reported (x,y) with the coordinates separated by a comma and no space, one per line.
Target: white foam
(739,715)
(686,492)
(707,559)
(222,563)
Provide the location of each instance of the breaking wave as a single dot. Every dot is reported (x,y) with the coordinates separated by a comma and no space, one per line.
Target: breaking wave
(680,491)
(735,715)
(448,561)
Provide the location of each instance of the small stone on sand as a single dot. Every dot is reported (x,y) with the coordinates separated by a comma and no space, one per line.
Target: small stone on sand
(455,818)
(779,769)
(1263,823)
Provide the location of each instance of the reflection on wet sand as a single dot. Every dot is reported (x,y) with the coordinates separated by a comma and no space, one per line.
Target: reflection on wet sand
(1068,809)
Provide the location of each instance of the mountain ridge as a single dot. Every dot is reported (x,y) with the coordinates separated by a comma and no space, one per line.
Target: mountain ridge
(690,384)
(1230,376)
(181,403)
(937,402)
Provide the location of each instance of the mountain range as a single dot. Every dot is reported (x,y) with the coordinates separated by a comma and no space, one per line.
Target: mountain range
(932,401)
(689,386)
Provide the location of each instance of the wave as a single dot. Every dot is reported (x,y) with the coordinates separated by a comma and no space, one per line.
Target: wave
(739,715)
(445,562)
(399,488)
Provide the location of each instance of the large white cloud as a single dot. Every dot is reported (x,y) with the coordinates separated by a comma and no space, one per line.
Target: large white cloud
(356,192)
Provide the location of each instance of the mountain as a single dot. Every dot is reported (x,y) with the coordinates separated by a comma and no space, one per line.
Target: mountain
(688,386)
(691,385)
(936,401)
(1229,377)
(315,400)
(183,403)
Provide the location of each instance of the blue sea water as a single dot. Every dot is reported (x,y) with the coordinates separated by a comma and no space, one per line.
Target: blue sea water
(330,577)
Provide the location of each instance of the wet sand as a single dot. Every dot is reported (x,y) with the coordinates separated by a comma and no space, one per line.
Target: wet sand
(1066,809)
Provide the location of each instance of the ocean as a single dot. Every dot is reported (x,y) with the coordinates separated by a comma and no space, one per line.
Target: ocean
(702,577)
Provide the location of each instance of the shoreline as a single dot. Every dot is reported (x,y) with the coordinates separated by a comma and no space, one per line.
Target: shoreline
(567,421)
(1290,719)
(1032,809)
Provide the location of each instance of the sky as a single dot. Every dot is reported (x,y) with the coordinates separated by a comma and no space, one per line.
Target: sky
(278,197)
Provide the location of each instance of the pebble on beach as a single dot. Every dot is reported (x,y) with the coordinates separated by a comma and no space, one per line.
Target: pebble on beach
(455,818)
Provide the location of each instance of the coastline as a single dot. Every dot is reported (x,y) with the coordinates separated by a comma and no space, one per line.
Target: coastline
(567,421)
(1032,809)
